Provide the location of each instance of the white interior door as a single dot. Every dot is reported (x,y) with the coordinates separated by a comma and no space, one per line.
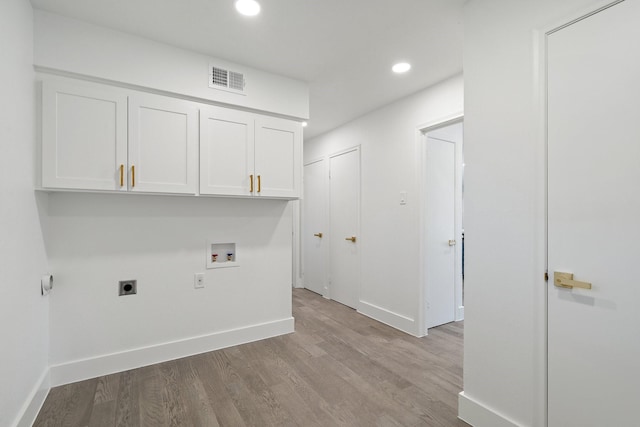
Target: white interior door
(440,269)
(594,219)
(314,234)
(344,205)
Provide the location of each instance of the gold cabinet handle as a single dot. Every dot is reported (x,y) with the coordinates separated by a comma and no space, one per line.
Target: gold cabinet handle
(318,235)
(565,280)
(352,238)
(133,176)
(259,184)
(250,183)
(121,175)
(452,242)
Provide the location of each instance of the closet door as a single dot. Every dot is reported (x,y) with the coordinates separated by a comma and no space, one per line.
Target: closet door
(344,225)
(163,144)
(226,152)
(84,136)
(315,232)
(593,227)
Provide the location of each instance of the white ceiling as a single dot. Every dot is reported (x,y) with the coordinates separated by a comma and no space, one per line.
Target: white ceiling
(344,49)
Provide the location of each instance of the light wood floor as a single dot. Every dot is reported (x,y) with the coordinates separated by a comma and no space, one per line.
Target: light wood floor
(338,369)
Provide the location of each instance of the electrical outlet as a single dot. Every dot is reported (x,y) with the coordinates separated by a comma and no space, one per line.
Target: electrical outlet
(198,280)
(127,287)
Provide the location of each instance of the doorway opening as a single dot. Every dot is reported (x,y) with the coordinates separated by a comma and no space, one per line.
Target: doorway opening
(442,231)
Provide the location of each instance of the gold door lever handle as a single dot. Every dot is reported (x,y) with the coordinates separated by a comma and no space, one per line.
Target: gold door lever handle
(318,235)
(452,242)
(565,280)
(352,238)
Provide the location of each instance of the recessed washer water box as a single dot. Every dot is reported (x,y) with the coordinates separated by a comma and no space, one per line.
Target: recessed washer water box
(221,255)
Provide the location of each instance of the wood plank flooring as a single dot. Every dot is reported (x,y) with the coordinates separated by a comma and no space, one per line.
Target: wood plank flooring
(338,369)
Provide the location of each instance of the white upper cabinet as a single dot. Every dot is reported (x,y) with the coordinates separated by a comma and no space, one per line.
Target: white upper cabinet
(278,157)
(244,154)
(84,136)
(226,151)
(163,144)
(99,137)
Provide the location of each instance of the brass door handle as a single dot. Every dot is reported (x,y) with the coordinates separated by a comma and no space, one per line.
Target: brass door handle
(352,238)
(452,242)
(121,175)
(133,176)
(250,183)
(318,235)
(259,184)
(565,280)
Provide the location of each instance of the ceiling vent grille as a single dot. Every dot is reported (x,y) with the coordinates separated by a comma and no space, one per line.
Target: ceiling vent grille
(221,78)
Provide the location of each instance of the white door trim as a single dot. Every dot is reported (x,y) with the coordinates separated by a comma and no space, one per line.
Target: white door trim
(421,132)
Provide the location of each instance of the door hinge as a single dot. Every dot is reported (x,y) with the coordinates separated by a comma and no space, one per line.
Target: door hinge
(546,276)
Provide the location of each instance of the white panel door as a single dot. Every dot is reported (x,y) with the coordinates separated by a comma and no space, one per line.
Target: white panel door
(278,157)
(441,234)
(594,219)
(226,152)
(84,136)
(314,227)
(163,144)
(344,206)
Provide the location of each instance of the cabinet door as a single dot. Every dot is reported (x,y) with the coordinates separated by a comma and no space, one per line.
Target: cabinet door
(84,136)
(226,151)
(163,144)
(278,157)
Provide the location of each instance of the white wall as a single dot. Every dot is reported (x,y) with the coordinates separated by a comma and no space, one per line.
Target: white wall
(389,240)
(504,371)
(73,46)
(23,311)
(95,240)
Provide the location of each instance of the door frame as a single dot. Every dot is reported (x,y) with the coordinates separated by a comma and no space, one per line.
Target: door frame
(541,295)
(421,132)
(329,267)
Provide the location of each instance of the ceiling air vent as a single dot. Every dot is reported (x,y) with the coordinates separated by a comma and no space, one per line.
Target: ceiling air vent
(220,78)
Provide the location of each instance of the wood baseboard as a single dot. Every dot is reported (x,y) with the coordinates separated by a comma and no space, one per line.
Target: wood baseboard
(478,415)
(34,402)
(390,318)
(79,370)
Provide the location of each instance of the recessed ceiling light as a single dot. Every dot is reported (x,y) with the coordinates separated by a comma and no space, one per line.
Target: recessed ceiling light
(304,124)
(248,7)
(401,67)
